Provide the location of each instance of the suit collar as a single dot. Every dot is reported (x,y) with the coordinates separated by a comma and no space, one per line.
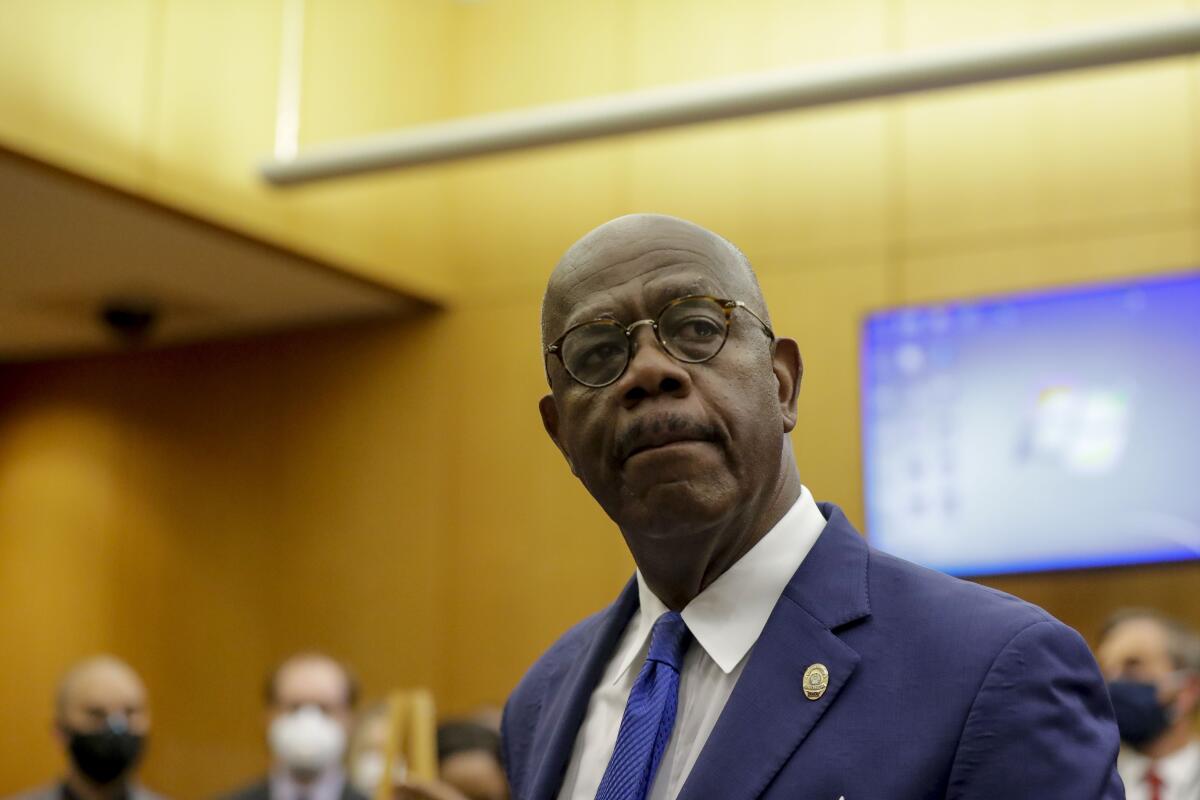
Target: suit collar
(768,715)
(831,584)
(730,614)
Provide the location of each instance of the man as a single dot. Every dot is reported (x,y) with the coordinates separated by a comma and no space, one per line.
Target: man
(762,650)
(310,703)
(101,724)
(1152,663)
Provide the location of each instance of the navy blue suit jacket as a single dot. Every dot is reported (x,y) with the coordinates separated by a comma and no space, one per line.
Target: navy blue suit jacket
(938,688)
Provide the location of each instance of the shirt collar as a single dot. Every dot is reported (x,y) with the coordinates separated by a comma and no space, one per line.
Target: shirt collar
(730,614)
(1175,769)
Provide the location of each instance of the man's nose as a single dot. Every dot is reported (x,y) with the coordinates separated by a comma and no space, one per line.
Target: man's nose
(651,371)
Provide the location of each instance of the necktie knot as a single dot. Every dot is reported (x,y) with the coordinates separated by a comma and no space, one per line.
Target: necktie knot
(669,640)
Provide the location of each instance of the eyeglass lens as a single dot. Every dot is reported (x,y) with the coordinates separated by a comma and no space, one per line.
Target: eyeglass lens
(693,330)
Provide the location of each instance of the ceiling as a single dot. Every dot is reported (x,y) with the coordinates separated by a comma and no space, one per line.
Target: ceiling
(68,246)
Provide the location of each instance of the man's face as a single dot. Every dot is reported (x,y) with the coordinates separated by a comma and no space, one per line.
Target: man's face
(1135,650)
(101,693)
(670,447)
(312,682)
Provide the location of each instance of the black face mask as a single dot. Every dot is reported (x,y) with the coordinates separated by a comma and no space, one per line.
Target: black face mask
(1140,717)
(106,755)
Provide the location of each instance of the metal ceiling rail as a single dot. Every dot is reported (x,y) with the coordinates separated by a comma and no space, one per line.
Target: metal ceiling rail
(741,96)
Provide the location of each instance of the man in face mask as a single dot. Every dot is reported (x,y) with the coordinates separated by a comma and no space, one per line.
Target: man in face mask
(101,723)
(310,702)
(1152,664)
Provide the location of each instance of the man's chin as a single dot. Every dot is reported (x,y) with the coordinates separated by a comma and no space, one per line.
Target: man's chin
(674,508)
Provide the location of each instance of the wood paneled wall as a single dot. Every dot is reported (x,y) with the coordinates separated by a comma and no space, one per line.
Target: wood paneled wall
(386,491)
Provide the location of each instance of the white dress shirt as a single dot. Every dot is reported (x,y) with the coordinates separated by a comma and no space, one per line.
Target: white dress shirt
(1179,773)
(726,620)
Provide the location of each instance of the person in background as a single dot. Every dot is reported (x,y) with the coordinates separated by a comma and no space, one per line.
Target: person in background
(310,703)
(1152,663)
(101,723)
(469,760)
(368,743)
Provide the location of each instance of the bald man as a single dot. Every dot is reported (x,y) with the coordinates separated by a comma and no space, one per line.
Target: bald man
(101,724)
(762,649)
(310,700)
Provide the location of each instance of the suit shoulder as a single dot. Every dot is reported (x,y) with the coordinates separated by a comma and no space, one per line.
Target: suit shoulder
(902,589)
(558,657)
(523,710)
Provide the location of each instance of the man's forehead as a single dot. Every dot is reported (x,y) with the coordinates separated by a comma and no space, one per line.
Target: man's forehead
(1141,637)
(309,675)
(596,276)
(106,684)
(651,274)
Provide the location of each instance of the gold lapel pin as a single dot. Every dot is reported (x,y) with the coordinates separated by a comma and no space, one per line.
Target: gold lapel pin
(816,681)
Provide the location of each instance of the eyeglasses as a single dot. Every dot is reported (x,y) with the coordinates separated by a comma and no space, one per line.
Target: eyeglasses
(691,329)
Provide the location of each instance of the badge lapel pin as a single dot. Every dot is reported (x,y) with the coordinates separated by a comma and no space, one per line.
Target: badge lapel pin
(816,681)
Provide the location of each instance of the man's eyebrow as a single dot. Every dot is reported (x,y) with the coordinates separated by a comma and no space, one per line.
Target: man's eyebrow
(580,317)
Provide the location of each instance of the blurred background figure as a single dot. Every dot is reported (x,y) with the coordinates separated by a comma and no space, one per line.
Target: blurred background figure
(469,759)
(1152,663)
(368,750)
(310,702)
(101,724)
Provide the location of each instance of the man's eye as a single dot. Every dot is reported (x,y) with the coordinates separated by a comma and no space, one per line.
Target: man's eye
(602,353)
(697,328)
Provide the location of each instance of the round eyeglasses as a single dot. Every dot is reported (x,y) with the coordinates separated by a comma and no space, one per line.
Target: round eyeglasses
(691,329)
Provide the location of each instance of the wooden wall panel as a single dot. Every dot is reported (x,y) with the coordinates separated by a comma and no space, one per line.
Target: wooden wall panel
(205,511)
(386,491)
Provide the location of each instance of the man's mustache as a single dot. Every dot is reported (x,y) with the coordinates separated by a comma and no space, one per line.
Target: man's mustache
(664,429)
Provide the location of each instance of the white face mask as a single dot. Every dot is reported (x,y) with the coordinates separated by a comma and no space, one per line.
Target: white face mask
(367,771)
(307,739)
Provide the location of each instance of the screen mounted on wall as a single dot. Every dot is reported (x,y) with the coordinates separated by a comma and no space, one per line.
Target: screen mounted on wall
(1041,431)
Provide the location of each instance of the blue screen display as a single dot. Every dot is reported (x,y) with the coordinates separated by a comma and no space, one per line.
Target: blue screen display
(1042,431)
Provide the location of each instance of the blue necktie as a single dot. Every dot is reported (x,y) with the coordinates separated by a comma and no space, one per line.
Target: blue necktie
(649,714)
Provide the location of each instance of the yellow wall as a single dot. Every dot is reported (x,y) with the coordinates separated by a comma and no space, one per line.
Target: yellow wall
(397,473)
(204,512)
(176,99)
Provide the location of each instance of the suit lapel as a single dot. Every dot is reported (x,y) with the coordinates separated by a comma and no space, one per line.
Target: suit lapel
(565,710)
(768,716)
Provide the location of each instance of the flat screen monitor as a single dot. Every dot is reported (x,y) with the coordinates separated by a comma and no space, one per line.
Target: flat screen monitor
(1049,430)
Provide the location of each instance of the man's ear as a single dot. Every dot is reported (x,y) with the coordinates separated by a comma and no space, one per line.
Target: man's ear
(549,413)
(789,370)
(1190,695)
